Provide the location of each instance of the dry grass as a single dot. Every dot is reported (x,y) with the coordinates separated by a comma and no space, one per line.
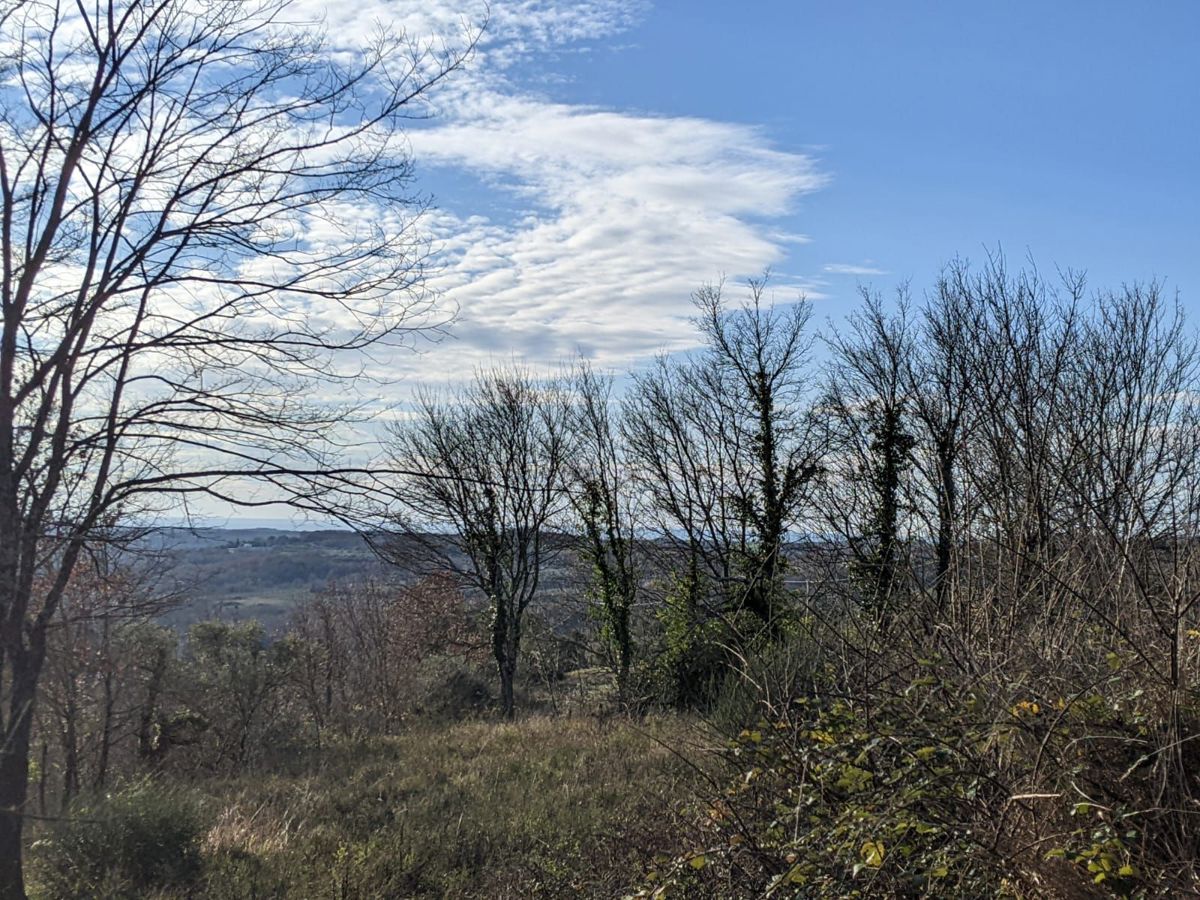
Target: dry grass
(539,807)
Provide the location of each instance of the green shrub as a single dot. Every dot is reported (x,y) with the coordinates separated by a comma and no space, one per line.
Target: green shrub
(761,682)
(121,845)
(450,688)
(932,783)
(692,661)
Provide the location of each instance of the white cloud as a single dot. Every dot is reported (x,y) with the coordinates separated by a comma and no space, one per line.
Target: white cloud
(627,215)
(620,215)
(514,28)
(852,269)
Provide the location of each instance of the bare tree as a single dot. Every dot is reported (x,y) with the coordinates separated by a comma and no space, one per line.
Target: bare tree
(941,386)
(201,209)
(1130,480)
(867,494)
(723,444)
(678,440)
(1024,347)
(601,493)
(489,466)
(359,647)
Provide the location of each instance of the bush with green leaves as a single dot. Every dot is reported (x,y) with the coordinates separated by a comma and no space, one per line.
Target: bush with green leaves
(122,844)
(832,799)
(692,660)
(238,678)
(926,781)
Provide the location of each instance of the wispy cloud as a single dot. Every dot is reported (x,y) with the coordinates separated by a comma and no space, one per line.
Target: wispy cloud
(626,215)
(613,217)
(852,269)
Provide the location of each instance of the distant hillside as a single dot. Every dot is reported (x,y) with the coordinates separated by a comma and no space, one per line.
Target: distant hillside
(262,573)
(256,573)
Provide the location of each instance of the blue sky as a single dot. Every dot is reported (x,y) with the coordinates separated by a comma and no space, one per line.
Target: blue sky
(1068,129)
(601,159)
(907,133)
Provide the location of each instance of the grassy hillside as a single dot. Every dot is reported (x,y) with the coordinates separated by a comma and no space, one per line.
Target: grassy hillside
(540,807)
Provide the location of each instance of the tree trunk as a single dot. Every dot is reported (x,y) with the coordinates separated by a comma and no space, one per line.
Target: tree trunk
(105,732)
(506,638)
(43,778)
(763,584)
(14,777)
(110,702)
(624,654)
(146,747)
(507,706)
(70,741)
(12,881)
(947,501)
